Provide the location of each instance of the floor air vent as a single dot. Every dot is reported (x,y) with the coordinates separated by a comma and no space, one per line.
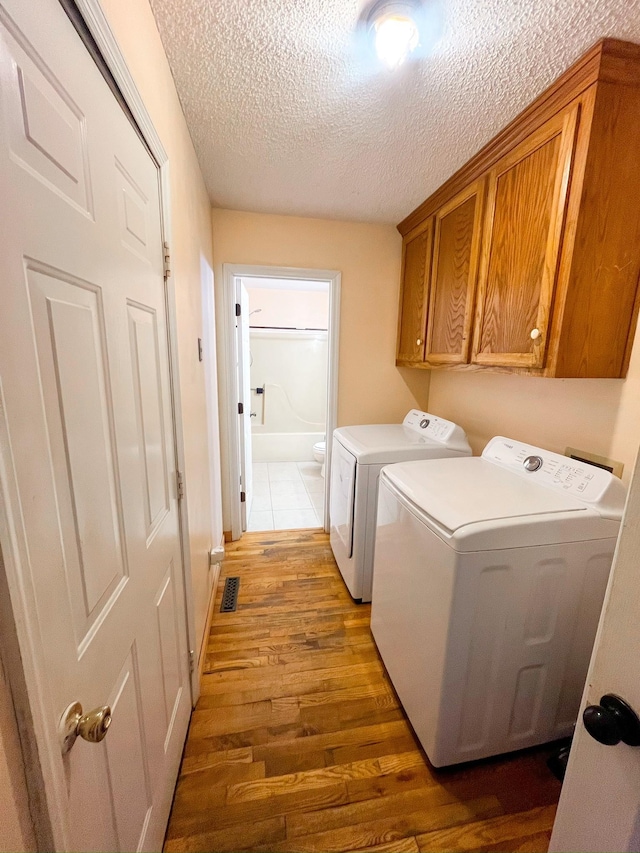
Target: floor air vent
(230,595)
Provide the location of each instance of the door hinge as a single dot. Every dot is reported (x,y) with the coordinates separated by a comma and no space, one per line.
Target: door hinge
(238,309)
(241,408)
(192,660)
(166,260)
(180,485)
(243,497)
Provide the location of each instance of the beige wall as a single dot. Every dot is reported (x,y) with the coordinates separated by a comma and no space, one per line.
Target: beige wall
(16,832)
(371,389)
(134,27)
(598,415)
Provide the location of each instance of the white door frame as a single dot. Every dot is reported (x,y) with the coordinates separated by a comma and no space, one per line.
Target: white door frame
(229,344)
(244,381)
(27,675)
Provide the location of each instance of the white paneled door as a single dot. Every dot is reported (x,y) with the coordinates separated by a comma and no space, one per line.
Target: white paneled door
(86,429)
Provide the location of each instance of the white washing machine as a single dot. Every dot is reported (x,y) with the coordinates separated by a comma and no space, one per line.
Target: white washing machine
(358,454)
(488,581)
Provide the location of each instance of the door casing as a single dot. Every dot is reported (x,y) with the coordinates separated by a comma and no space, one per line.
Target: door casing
(230,354)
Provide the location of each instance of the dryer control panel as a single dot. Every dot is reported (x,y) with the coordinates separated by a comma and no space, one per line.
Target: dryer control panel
(579,479)
(437,429)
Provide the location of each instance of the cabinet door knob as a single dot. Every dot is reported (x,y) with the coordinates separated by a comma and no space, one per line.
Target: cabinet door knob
(534,334)
(419,342)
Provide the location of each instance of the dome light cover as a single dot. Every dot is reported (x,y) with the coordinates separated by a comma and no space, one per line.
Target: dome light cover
(393,27)
(396,36)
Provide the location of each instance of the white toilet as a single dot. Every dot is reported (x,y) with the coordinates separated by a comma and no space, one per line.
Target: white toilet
(319,450)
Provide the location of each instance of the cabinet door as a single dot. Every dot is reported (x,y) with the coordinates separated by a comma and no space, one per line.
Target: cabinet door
(456,252)
(416,259)
(526,203)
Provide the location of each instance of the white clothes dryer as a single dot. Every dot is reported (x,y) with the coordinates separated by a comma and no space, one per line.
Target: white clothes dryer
(358,454)
(488,582)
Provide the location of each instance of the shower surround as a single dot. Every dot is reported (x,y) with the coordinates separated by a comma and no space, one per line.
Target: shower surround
(290,415)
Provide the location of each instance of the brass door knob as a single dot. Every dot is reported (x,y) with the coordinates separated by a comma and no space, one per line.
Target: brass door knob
(92,726)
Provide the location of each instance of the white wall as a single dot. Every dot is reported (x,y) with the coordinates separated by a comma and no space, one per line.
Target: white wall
(292,309)
(291,414)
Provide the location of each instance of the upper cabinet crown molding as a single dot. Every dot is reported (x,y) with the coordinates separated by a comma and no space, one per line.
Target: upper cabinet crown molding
(528,258)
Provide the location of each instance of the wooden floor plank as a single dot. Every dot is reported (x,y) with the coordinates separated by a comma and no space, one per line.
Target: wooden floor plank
(311,823)
(387,784)
(243,836)
(403,845)
(243,792)
(223,774)
(195,822)
(481,835)
(191,764)
(390,828)
(371,671)
(296,685)
(528,844)
(298,742)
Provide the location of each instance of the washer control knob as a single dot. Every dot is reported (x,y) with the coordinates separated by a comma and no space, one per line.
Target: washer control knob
(424,423)
(532,463)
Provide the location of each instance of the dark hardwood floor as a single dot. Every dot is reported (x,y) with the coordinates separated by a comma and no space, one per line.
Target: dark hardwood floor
(298,742)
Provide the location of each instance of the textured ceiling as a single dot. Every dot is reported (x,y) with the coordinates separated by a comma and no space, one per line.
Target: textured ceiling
(289,115)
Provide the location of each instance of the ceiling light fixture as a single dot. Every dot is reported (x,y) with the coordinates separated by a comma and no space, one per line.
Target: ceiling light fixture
(393,26)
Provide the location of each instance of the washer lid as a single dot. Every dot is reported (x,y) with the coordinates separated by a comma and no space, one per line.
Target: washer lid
(420,436)
(478,505)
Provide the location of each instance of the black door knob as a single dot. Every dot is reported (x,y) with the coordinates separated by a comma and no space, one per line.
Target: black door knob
(612,721)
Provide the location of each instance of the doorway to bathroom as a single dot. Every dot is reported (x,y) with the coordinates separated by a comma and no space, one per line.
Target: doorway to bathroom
(286,350)
(288,363)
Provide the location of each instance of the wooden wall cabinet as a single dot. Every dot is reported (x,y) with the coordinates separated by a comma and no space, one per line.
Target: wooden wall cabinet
(528,191)
(454,270)
(541,276)
(416,258)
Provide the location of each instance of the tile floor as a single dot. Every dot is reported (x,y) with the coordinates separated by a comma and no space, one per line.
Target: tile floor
(286,496)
